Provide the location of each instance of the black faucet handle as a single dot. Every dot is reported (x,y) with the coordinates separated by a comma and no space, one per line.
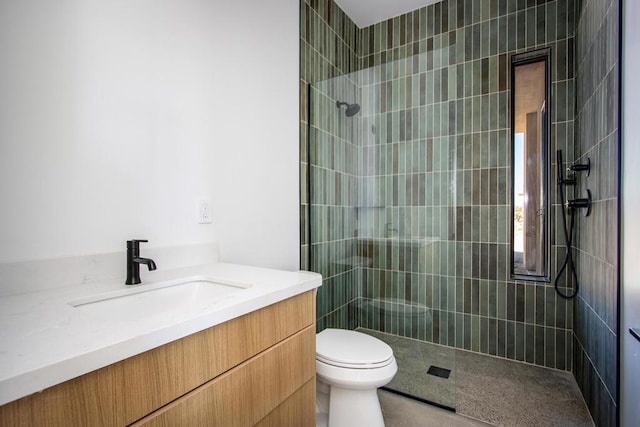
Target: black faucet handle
(134,245)
(134,260)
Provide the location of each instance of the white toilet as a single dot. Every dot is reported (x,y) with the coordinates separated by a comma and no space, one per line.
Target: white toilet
(350,366)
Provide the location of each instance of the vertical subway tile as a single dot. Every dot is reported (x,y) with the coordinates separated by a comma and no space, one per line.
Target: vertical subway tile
(539,344)
(441,84)
(520,341)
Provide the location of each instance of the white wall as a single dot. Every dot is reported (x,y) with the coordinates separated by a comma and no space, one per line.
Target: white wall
(117,115)
(630,275)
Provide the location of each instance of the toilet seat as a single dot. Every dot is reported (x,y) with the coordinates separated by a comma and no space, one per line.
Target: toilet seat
(350,367)
(352,350)
(355,366)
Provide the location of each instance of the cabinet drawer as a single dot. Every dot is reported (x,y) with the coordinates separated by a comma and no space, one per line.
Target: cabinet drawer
(298,410)
(159,376)
(249,392)
(126,391)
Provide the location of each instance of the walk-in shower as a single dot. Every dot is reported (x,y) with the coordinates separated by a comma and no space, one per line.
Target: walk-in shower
(410,216)
(408,207)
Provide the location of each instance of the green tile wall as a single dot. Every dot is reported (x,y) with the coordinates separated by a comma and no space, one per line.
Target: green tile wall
(431,159)
(440,165)
(597,115)
(327,56)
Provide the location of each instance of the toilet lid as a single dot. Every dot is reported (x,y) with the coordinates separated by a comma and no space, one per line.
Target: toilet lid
(340,347)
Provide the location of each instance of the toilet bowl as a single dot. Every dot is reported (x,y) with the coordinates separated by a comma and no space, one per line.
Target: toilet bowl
(350,366)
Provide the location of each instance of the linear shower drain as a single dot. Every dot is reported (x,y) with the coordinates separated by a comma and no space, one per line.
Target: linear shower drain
(437,371)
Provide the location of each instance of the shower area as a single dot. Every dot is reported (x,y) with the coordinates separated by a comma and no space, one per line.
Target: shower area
(409,219)
(383,197)
(406,185)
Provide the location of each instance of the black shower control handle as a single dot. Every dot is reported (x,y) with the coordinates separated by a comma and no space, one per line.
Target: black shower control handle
(584,203)
(578,203)
(581,167)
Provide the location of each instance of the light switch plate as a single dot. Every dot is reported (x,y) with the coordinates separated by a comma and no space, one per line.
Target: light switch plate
(204,211)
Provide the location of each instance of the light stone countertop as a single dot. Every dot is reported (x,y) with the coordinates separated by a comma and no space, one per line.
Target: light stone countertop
(45,341)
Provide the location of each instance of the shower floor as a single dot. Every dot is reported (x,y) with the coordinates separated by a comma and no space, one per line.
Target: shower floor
(497,391)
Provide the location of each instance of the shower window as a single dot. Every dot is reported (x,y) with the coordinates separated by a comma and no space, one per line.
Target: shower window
(530,243)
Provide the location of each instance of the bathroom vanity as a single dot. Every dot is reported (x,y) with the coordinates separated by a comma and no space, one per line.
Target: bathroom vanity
(254,364)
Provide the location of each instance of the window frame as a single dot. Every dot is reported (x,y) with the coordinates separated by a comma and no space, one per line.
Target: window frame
(519,60)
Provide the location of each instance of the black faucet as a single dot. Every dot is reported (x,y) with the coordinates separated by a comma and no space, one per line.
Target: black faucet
(134,261)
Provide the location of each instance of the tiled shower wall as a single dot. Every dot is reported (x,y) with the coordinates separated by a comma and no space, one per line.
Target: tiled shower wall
(334,171)
(442,135)
(597,113)
(328,54)
(450,49)
(442,149)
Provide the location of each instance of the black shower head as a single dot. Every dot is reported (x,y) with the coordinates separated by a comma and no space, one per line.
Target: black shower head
(352,109)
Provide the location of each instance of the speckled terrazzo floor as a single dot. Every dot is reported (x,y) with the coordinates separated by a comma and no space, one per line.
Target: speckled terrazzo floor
(399,411)
(497,391)
(414,359)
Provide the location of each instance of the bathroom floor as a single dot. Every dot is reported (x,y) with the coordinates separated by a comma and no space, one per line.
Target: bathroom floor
(494,390)
(400,411)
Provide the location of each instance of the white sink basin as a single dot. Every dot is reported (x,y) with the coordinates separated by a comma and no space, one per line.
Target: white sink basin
(171,299)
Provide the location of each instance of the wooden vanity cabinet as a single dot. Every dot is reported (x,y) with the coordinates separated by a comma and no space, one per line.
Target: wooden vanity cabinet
(257,369)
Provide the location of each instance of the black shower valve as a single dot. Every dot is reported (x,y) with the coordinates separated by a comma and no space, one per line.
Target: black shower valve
(578,203)
(584,203)
(581,167)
